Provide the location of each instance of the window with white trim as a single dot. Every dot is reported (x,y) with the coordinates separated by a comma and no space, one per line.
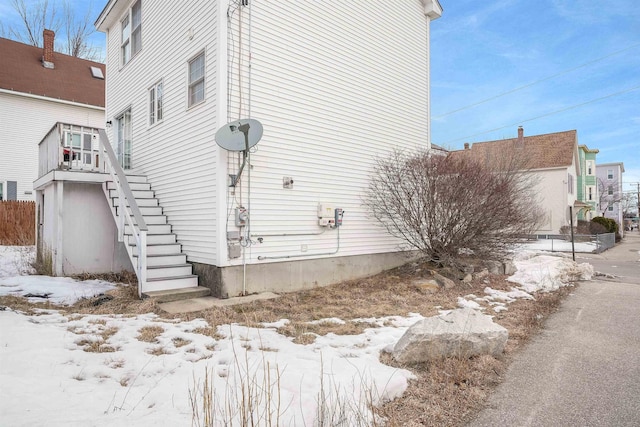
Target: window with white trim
(590,167)
(570,184)
(609,173)
(610,208)
(155,103)
(610,190)
(131,32)
(196,80)
(590,193)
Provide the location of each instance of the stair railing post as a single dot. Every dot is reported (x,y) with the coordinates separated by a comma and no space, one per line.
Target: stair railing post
(125,197)
(142,263)
(123,207)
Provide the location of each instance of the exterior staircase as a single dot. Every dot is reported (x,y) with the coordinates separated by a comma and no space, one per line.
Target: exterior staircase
(168,275)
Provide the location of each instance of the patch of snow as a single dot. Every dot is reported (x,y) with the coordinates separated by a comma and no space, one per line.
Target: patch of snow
(57,290)
(16,260)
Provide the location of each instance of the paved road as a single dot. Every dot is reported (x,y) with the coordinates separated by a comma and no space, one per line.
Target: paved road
(584,368)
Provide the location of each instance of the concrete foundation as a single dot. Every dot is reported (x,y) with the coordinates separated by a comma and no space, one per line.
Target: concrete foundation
(290,276)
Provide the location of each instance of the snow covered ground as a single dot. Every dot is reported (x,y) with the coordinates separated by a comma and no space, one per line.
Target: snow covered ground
(48,379)
(559,245)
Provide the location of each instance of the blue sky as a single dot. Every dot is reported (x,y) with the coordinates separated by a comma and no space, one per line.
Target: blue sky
(480,50)
(483,49)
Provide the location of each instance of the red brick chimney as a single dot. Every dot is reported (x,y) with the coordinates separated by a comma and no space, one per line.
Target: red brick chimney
(520,137)
(47,49)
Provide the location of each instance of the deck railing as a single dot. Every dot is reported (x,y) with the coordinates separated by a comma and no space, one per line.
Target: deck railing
(109,163)
(69,147)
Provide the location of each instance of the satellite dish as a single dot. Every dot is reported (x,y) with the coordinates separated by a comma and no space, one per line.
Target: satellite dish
(239,135)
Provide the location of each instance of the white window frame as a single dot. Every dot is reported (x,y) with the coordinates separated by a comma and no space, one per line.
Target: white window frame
(590,167)
(124,138)
(570,184)
(610,190)
(131,33)
(590,191)
(609,174)
(194,84)
(610,208)
(156,104)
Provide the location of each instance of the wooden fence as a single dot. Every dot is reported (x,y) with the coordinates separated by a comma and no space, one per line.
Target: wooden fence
(17,223)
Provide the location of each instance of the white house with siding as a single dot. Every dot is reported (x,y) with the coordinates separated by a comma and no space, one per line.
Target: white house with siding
(553,161)
(38,88)
(609,177)
(334,85)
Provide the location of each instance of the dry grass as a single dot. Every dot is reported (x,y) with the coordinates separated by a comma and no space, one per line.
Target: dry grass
(150,333)
(98,345)
(450,392)
(447,392)
(180,342)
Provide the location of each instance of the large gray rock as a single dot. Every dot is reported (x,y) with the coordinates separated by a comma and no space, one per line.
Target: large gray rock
(461,333)
(510,268)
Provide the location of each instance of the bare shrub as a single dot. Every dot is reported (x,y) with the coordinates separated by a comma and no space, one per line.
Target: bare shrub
(450,206)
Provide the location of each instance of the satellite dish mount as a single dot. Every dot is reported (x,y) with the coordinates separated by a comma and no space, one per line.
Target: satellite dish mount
(240,135)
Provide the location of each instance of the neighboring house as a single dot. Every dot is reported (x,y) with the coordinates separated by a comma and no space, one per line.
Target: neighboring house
(38,88)
(438,150)
(554,160)
(587,183)
(610,186)
(335,85)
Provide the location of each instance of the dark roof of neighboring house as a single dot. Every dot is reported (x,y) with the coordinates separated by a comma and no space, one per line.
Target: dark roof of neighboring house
(21,70)
(551,150)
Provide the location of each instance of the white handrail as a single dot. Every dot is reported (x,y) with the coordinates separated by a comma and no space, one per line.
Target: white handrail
(126,196)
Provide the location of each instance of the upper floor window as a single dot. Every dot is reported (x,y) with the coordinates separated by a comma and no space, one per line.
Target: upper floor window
(610,190)
(131,32)
(590,193)
(609,173)
(589,168)
(610,208)
(570,184)
(155,103)
(196,80)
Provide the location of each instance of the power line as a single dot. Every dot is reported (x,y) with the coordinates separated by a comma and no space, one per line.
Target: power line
(535,82)
(545,115)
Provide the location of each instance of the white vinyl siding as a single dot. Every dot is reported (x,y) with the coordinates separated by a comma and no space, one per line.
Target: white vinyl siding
(28,130)
(179,157)
(334,89)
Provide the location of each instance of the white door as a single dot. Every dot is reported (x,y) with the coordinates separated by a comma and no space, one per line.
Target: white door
(124,139)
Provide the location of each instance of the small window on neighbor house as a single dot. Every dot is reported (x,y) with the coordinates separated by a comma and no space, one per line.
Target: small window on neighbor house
(131,32)
(589,168)
(609,173)
(12,191)
(155,103)
(196,80)
(590,193)
(570,184)
(610,208)
(610,191)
